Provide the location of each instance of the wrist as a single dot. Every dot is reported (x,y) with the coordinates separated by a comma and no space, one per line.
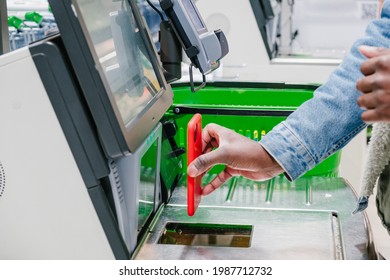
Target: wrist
(274,167)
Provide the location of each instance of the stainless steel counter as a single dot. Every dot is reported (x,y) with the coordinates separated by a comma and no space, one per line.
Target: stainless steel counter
(307,219)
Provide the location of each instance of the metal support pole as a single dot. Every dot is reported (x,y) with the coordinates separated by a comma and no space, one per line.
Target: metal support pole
(4,35)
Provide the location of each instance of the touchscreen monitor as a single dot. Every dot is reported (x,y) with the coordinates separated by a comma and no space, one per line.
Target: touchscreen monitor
(117,66)
(124,62)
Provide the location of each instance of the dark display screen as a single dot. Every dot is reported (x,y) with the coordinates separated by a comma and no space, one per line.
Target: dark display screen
(121,55)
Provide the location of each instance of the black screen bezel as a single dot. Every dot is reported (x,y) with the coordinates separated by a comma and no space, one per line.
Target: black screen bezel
(118,138)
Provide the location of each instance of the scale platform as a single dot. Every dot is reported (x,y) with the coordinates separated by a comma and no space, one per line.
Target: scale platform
(275,220)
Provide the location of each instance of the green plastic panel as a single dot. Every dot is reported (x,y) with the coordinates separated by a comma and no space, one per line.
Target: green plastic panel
(247,98)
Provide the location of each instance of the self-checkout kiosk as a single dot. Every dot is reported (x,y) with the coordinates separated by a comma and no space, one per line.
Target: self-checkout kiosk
(91,153)
(89,108)
(87,152)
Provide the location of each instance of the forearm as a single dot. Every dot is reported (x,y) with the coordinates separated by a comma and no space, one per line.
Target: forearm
(329,120)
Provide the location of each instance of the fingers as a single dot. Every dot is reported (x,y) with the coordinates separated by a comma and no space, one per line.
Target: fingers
(366,84)
(218,181)
(207,147)
(376,89)
(379,113)
(377,59)
(378,97)
(211,135)
(372,116)
(369,51)
(204,162)
(368,67)
(377,104)
(379,81)
(375,85)
(367,101)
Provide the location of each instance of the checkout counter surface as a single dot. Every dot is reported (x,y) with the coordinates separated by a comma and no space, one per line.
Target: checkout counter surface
(307,219)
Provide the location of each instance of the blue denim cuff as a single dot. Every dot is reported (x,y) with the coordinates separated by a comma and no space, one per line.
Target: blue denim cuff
(286,148)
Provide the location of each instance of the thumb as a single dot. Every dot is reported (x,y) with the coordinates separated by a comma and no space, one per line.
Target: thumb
(204,162)
(369,51)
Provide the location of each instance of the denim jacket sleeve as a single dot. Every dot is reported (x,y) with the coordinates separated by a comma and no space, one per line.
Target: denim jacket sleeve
(327,122)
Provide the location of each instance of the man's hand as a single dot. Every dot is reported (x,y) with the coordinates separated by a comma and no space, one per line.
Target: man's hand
(375,85)
(241,155)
